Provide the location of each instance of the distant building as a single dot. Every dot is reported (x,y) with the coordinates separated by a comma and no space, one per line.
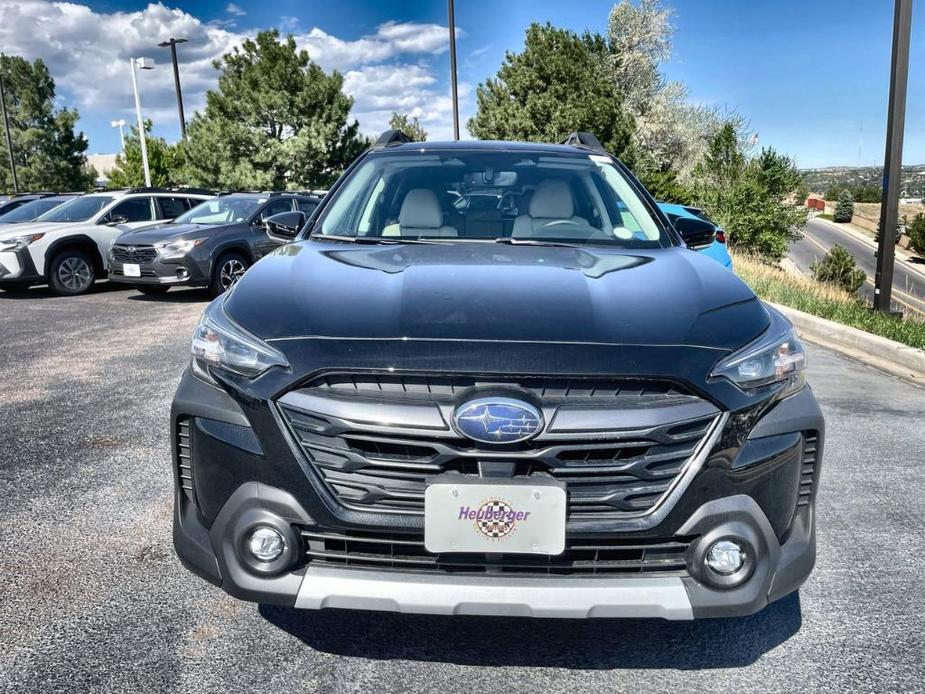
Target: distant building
(102,164)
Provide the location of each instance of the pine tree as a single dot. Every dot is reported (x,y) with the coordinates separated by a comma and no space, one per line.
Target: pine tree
(844,210)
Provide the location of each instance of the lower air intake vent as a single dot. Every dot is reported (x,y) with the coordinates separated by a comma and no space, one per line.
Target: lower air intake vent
(184,456)
(808,471)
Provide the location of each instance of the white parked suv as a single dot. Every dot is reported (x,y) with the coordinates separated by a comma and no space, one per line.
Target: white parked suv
(67,247)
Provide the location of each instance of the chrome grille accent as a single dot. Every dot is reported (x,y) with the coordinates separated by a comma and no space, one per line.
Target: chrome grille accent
(619,446)
(582,557)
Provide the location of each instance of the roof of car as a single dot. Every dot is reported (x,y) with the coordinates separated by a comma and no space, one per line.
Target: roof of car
(487,145)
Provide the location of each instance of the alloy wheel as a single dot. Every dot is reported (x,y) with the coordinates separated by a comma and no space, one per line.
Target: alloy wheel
(75,273)
(231,272)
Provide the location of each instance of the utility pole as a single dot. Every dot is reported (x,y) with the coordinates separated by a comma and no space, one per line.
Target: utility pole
(172,43)
(452,23)
(142,64)
(9,140)
(892,161)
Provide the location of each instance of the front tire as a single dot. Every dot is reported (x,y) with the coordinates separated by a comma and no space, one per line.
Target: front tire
(228,270)
(152,289)
(72,272)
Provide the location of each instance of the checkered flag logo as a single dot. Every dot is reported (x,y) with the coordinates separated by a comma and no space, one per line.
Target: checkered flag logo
(494,524)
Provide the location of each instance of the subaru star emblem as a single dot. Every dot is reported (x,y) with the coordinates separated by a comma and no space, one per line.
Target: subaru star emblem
(131,249)
(497,420)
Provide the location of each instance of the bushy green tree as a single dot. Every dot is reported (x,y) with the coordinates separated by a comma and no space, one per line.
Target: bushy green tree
(916,232)
(48,153)
(844,210)
(897,232)
(276,120)
(839,267)
(408,125)
(751,198)
(559,83)
(163,162)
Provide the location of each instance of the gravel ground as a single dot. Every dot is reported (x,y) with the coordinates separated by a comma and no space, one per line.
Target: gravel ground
(93,598)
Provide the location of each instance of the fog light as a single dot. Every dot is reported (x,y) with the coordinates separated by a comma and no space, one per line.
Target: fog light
(266,544)
(725,557)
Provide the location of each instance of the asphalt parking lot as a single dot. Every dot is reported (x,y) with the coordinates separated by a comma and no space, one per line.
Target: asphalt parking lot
(93,599)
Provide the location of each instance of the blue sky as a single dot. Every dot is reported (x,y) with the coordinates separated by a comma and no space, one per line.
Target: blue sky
(811,77)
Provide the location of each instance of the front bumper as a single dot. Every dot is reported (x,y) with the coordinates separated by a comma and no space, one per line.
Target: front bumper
(746,499)
(182,271)
(17,266)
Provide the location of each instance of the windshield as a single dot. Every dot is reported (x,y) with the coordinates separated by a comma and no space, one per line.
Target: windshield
(77,210)
(508,196)
(227,210)
(31,210)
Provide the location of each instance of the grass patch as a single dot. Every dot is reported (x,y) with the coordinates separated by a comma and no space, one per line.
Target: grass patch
(804,294)
(823,215)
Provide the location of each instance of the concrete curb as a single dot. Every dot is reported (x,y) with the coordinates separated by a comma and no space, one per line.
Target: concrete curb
(892,357)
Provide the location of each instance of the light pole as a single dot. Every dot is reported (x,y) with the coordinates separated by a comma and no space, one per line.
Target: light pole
(452,22)
(9,140)
(893,158)
(172,43)
(141,64)
(120,124)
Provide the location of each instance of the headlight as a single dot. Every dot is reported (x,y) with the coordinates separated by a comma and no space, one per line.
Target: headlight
(17,242)
(177,249)
(775,357)
(219,343)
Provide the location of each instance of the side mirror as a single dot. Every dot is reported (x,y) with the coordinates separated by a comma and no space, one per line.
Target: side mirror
(285,226)
(696,233)
(116,220)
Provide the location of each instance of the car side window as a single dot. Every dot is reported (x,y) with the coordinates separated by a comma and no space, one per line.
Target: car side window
(169,208)
(306,206)
(275,207)
(132,210)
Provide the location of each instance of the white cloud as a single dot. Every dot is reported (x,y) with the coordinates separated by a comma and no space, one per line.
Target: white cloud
(235,9)
(88,54)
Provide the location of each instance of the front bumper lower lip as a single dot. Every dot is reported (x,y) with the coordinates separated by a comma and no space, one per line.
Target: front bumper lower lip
(664,597)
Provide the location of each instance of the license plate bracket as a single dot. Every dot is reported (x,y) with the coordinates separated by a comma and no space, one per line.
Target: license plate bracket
(485,514)
(131,270)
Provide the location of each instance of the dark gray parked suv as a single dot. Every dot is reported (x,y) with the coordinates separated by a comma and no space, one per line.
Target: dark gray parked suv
(209,246)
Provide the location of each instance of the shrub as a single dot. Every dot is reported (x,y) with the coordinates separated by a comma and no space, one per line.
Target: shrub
(844,210)
(897,232)
(839,267)
(916,232)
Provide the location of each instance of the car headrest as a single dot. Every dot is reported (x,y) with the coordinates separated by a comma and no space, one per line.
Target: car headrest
(420,210)
(552,199)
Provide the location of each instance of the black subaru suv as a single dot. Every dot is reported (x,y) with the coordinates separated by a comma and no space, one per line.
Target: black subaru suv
(491,378)
(211,245)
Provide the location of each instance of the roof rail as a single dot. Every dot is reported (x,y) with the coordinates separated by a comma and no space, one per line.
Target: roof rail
(172,189)
(584,140)
(391,138)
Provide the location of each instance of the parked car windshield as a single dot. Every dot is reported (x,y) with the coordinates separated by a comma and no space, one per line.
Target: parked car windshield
(529,197)
(225,210)
(31,210)
(77,210)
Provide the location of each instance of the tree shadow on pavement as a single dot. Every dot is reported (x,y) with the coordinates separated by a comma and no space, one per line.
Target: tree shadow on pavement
(566,643)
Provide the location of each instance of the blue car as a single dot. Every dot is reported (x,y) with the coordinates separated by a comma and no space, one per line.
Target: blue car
(717,249)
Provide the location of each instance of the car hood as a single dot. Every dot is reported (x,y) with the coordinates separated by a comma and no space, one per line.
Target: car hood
(493,292)
(163,232)
(9,230)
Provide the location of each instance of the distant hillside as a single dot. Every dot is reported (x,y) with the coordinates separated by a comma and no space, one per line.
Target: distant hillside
(819,180)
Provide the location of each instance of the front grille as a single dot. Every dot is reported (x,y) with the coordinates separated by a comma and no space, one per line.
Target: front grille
(184,456)
(808,471)
(611,471)
(140,255)
(591,557)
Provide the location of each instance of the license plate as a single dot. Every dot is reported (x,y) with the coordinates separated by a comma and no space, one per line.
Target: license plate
(510,517)
(131,270)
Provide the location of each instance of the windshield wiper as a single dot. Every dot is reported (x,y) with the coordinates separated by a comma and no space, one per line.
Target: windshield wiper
(535,242)
(375,240)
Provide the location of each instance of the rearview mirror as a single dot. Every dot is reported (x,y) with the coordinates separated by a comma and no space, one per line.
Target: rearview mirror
(285,226)
(696,233)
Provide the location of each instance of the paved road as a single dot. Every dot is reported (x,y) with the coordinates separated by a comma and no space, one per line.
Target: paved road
(94,600)
(819,237)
